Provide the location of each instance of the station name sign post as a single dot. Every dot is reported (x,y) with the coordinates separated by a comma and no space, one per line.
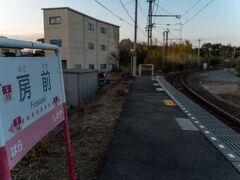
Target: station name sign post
(32,103)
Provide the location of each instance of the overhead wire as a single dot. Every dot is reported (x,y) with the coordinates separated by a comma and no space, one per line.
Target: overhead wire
(165,26)
(124,7)
(113,13)
(140,7)
(156,10)
(144,14)
(166,11)
(189,9)
(198,12)
(163,20)
(186,12)
(129,2)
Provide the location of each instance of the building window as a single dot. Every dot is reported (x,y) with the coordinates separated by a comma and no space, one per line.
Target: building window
(90,27)
(64,64)
(90,46)
(57,42)
(55,20)
(8,53)
(103,47)
(91,66)
(103,66)
(103,30)
(5,52)
(77,66)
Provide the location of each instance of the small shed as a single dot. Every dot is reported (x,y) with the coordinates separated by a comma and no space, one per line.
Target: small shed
(80,85)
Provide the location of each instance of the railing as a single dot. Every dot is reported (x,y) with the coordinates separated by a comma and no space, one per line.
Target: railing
(13,43)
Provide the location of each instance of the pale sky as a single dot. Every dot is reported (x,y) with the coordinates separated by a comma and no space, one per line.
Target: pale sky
(218,22)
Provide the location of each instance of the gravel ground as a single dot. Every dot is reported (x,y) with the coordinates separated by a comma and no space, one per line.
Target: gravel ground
(223,84)
(224,76)
(92,126)
(221,87)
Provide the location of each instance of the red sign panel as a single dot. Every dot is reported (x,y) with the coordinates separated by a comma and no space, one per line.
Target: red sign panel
(7,93)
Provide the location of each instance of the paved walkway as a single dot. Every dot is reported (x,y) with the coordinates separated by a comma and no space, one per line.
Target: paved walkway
(149,143)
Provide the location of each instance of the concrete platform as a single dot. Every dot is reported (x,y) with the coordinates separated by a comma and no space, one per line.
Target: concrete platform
(155,141)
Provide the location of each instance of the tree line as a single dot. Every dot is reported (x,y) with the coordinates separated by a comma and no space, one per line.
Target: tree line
(180,56)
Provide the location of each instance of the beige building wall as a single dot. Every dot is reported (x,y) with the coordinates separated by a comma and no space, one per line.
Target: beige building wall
(76,39)
(91,37)
(75,35)
(57,31)
(102,40)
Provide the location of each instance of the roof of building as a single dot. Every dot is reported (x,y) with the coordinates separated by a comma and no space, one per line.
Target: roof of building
(56,8)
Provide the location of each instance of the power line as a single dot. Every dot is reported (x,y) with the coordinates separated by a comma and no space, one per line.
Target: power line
(162,24)
(144,14)
(118,16)
(156,11)
(198,12)
(162,19)
(140,7)
(169,14)
(126,10)
(142,31)
(150,24)
(166,11)
(109,10)
(129,2)
(113,13)
(187,11)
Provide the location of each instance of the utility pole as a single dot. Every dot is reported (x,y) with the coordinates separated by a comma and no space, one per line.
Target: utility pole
(150,24)
(135,41)
(234,52)
(199,42)
(163,50)
(166,47)
(181,28)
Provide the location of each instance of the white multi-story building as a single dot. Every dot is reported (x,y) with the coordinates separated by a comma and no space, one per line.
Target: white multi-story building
(85,42)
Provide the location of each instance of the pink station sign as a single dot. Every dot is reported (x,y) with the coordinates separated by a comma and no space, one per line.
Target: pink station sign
(32,103)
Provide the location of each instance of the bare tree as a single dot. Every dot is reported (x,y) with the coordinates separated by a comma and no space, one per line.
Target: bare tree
(113,59)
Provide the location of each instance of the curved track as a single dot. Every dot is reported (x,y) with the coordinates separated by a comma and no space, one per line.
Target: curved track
(178,80)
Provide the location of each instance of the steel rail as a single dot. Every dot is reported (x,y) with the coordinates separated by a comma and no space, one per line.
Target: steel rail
(202,99)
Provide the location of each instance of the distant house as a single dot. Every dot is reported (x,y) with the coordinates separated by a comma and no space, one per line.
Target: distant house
(10,52)
(85,42)
(6,52)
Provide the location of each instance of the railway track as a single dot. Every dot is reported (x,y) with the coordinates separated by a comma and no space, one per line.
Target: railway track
(223,111)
